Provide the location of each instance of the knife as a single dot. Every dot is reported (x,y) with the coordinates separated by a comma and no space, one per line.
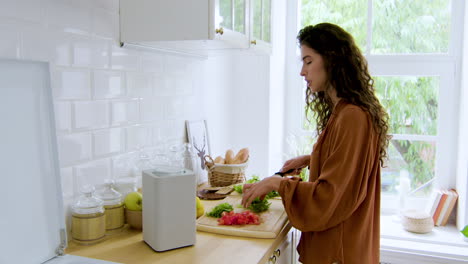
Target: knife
(282,174)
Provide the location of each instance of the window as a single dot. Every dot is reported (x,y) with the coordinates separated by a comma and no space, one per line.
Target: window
(413,49)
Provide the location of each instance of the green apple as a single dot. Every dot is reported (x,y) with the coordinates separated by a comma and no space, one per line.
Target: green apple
(464,231)
(200,208)
(134,201)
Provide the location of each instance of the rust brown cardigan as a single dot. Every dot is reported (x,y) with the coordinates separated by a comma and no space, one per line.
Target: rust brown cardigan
(338,210)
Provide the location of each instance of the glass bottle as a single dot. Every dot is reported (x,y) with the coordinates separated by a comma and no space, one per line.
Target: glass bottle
(88,218)
(113,207)
(189,157)
(191,161)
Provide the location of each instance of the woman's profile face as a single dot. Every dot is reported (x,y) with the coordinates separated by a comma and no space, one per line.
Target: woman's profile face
(313,69)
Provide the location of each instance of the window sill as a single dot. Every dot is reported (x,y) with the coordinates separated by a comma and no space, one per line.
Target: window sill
(443,245)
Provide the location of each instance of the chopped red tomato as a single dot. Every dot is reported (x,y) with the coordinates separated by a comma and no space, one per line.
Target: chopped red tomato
(243,218)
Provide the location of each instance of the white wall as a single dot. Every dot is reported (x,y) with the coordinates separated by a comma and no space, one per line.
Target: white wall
(249,106)
(237,106)
(111,104)
(277,89)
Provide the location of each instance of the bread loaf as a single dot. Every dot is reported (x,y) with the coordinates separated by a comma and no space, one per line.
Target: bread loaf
(229,157)
(219,160)
(242,156)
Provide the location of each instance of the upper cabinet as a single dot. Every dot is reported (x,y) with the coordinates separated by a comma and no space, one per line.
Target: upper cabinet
(197,26)
(260,24)
(232,22)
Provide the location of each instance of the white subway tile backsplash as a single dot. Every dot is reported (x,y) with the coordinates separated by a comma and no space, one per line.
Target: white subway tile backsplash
(37,44)
(179,84)
(178,64)
(157,139)
(71,84)
(160,85)
(93,173)
(124,165)
(62,116)
(61,46)
(152,63)
(171,84)
(108,141)
(108,84)
(167,130)
(139,84)
(66,175)
(91,114)
(138,137)
(90,52)
(10,46)
(125,112)
(124,59)
(74,148)
(185,86)
(174,108)
(179,131)
(150,110)
(193,108)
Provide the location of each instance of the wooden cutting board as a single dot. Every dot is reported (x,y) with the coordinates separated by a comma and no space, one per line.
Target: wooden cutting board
(272,221)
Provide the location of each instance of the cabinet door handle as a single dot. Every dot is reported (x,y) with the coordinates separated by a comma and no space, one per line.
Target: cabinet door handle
(277,252)
(219,31)
(272,260)
(254,42)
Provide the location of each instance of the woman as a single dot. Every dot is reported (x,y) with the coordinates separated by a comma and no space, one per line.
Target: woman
(338,210)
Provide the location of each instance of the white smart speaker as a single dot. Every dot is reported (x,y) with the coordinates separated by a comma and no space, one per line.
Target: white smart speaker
(169,208)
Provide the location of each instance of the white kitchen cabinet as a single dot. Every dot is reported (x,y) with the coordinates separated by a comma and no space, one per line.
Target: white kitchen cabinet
(232,18)
(284,253)
(196,26)
(260,25)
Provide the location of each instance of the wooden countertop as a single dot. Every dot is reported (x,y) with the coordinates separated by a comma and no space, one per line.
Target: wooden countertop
(129,247)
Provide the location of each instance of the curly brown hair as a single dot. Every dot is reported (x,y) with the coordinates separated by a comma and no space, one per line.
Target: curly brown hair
(348,73)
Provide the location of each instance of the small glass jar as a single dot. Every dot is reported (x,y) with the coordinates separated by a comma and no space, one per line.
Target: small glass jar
(88,218)
(113,207)
(176,155)
(125,185)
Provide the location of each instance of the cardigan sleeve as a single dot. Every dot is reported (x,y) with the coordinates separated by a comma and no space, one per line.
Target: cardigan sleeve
(341,185)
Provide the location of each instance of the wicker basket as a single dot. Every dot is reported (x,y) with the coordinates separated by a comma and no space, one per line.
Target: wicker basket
(220,175)
(417,221)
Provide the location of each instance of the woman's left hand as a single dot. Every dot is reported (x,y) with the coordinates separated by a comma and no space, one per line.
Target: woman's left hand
(259,189)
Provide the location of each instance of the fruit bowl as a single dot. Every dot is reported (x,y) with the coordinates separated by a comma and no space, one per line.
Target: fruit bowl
(134,218)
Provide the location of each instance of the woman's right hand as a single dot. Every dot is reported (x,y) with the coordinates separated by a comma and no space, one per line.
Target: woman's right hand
(295,165)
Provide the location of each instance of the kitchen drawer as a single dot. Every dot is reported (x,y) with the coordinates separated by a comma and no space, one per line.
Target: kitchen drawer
(284,253)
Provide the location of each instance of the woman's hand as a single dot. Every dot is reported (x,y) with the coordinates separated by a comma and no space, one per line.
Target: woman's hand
(259,189)
(296,165)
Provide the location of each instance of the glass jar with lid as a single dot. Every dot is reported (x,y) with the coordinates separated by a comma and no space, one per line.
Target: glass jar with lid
(113,207)
(125,185)
(176,155)
(88,218)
